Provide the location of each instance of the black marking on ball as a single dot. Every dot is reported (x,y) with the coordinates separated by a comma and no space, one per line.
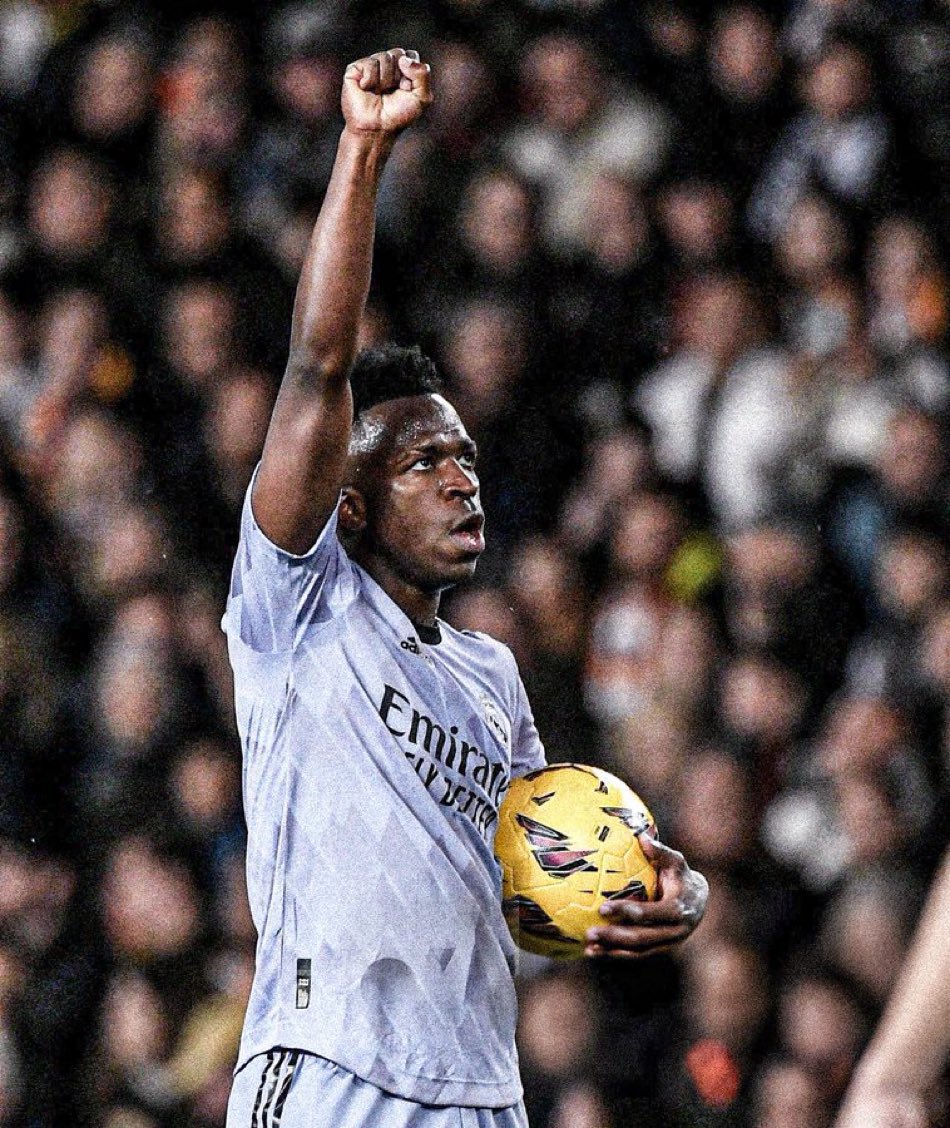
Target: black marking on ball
(531,917)
(633,891)
(552,850)
(636,821)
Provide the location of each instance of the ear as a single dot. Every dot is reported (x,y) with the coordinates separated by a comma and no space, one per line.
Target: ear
(352,513)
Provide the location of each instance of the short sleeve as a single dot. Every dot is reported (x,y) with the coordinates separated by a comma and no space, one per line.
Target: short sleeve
(527,751)
(276,595)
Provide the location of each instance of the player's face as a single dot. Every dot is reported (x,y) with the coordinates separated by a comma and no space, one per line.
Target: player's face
(423,513)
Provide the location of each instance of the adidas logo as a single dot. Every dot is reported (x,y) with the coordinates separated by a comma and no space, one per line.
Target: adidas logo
(411,645)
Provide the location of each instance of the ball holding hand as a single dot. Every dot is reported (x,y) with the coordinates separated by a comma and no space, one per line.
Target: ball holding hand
(386,92)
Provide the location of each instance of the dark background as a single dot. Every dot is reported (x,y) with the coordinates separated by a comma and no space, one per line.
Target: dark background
(683,266)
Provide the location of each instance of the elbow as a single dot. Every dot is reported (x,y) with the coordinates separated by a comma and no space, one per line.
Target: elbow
(311,371)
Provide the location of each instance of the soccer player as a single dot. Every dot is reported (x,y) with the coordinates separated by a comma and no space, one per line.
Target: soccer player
(378,742)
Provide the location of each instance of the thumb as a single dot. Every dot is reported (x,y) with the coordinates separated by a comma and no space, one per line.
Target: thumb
(656,852)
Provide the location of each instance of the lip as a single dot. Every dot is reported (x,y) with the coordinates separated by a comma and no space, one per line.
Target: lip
(470,523)
(469,530)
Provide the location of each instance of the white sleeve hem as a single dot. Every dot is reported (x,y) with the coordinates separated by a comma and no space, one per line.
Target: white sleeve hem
(329,528)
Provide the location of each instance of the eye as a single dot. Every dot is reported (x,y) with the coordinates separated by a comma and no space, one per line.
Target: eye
(423,462)
(468,460)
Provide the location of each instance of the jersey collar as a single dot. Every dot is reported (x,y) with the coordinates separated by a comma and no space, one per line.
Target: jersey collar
(405,630)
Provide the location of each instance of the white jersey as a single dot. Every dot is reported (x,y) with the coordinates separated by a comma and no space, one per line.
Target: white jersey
(374,765)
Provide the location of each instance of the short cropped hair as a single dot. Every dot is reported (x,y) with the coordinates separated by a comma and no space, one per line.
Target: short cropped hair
(390,372)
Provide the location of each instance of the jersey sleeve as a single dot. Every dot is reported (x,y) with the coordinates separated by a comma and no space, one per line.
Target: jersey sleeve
(276,595)
(527,751)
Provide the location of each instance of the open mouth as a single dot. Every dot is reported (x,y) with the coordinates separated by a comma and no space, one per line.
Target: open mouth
(470,531)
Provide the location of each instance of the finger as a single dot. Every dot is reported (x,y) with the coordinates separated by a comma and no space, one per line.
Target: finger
(642,939)
(648,913)
(388,71)
(369,77)
(661,856)
(634,936)
(627,954)
(405,83)
(418,74)
(624,953)
(397,53)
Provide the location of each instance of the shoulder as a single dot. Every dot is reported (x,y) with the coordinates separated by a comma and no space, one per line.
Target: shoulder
(482,649)
(475,641)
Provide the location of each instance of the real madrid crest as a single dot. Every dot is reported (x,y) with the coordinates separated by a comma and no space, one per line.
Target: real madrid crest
(497,721)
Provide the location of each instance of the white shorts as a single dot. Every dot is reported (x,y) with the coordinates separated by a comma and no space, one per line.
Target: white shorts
(293,1089)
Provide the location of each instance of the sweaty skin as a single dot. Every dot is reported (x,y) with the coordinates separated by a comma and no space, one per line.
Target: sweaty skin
(410,513)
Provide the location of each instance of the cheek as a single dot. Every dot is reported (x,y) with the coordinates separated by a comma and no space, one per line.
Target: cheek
(404,515)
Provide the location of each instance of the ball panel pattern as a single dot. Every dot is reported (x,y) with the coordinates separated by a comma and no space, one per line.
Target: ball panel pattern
(567,841)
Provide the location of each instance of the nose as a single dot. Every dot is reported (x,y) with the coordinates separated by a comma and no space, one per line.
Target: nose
(457,481)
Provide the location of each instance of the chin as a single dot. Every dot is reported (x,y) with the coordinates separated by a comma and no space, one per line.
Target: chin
(457,573)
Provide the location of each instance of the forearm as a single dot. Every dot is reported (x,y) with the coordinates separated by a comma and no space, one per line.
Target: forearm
(335,278)
(304,459)
(910,1046)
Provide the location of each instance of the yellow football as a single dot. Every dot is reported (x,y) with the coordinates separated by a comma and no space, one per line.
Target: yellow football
(567,842)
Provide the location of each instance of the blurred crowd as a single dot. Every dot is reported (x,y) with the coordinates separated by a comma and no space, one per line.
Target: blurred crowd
(684,268)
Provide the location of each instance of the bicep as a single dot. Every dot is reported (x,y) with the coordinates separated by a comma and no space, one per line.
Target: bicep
(277,595)
(527,753)
(304,461)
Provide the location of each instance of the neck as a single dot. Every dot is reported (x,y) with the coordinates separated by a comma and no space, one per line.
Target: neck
(421,606)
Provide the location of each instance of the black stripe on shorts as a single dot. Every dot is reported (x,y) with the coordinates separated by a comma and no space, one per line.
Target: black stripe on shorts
(285,1087)
(275,1084)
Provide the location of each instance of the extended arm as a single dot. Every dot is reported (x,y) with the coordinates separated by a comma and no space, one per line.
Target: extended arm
(305,452)
(909,1049)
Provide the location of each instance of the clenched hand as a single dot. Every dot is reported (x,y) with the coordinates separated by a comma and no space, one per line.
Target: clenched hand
(386,92)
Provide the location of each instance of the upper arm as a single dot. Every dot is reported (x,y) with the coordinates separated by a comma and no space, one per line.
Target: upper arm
(276,595)
(304,460)
(527,751)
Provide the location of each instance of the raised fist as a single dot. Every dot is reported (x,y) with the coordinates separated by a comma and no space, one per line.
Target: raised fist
(385,92)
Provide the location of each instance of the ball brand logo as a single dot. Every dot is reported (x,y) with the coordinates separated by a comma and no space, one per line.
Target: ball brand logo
(552,849)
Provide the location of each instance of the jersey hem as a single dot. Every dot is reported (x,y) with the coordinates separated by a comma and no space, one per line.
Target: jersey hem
(422,1090)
